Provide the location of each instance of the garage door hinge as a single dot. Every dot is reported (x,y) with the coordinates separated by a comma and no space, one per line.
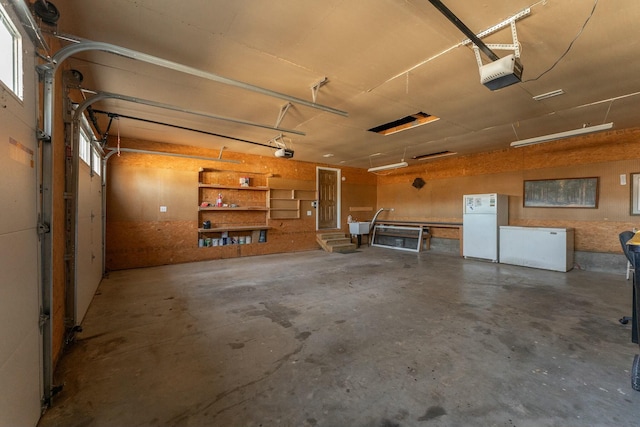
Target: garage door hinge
(45,402)
(44,318)
(43,136)
(43,228)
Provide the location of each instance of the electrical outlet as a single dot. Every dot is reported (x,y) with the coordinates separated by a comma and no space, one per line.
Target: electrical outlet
(163,208)
(308,213)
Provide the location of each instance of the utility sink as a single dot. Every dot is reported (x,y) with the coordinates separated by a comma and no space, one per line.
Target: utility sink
(358,228)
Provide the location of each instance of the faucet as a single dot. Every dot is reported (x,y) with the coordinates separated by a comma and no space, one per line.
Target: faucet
(373,221)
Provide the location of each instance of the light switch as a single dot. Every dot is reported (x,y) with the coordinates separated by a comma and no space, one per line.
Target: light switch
(163,208)
(308,213)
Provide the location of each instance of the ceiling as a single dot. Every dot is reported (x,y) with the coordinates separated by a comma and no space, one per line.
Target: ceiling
(382,60)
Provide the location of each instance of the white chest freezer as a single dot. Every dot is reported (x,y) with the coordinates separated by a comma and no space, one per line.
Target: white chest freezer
(546,248)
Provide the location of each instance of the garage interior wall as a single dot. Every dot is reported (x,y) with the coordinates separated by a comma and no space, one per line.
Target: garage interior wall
(138,235)
(606,156)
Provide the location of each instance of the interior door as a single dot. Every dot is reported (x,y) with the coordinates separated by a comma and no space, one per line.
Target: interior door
(21,369)
(328,181)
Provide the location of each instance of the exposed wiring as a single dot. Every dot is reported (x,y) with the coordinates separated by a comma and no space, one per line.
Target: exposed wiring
(569,47)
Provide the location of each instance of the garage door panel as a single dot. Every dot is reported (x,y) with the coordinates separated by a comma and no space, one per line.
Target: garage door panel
(19,376)
(17,174)
(89,255)
(18,302)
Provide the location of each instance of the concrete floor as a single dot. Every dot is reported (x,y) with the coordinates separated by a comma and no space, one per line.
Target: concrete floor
(376,338)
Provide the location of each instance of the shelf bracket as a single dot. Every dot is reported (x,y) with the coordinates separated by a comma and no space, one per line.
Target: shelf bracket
(316,87)
(283,112)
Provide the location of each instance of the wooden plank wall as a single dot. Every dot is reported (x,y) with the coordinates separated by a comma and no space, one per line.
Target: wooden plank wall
(139,235)
(606,156)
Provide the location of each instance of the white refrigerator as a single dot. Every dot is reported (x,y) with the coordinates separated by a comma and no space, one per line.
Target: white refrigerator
(483,215)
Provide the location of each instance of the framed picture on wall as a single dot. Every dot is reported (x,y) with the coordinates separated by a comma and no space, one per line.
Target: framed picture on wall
(561,193)
(635,193)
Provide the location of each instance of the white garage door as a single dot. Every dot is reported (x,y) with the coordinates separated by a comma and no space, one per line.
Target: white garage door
(89,248)
(20,339)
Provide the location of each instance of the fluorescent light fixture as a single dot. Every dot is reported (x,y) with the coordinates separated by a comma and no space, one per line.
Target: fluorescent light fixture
(434,155)
(560,135)
(387,167)
(548,95)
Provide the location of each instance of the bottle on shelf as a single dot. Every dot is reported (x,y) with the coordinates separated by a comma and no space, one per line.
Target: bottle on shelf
(219,200)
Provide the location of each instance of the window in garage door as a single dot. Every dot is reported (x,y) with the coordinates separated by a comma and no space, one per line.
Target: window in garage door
(11,48)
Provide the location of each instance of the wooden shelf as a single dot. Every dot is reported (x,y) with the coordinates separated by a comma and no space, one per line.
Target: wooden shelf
(251,203)
(285,203)
(286,194)
(231,187)
(229,208)
(234,228)
(281,194)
